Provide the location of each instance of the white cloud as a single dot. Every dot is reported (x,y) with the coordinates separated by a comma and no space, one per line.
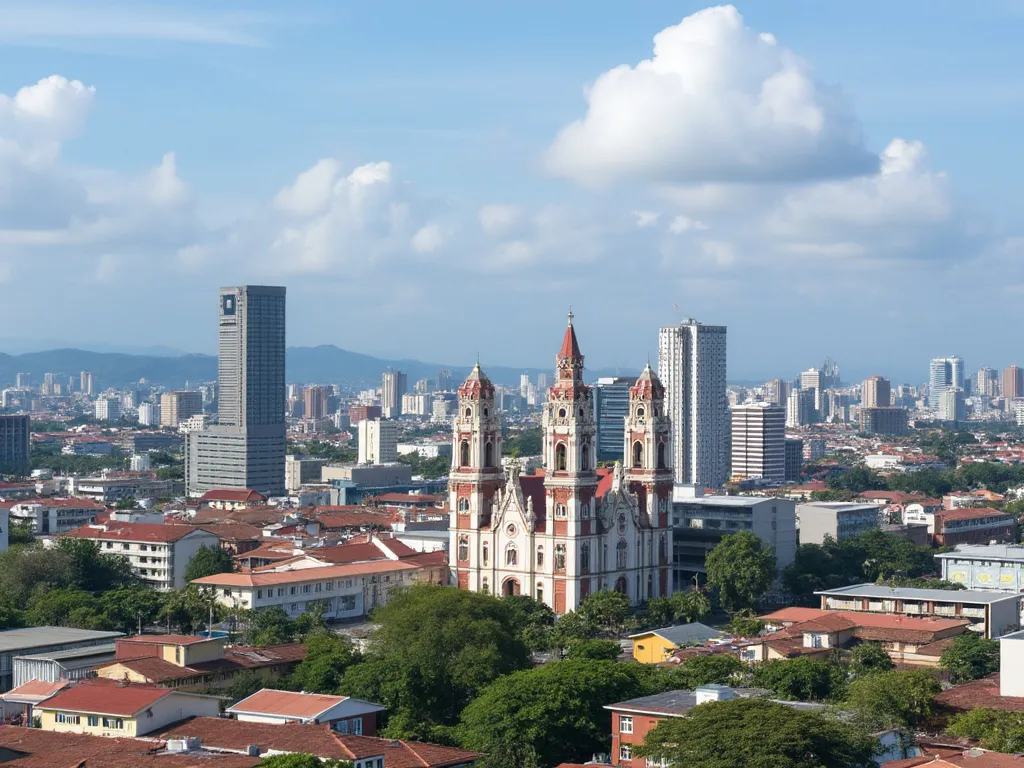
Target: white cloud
(646,218)
(716,102)
(428,239)
(499,220)
(311,191)
(681,224)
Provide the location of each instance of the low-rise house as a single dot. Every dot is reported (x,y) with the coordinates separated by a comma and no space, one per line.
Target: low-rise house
(342,713)
(106,708)
(111,488)
(48,517)
(970,757)
(231,498)
(980,498)
(158,553)
(657,645)
(992,614)
(19,701)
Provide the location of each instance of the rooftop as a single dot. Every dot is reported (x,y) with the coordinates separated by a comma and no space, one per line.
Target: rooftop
(979,693)
(262,578)
(837,506)
(168,639)
(910,593)
(678,703)
(13,640)
(306,706)
(725,501)
(106,698)
(969,513)
(34,691)
(148,532)
(682,634)
(986,552)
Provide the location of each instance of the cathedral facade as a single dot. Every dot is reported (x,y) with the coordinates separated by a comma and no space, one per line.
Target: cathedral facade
(573,528)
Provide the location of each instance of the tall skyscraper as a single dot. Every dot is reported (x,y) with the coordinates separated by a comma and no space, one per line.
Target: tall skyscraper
(777,391)
(315,403)
(524,385)
(176,407)
(378,441)
(542,383)
(876,393)
(393,385)
(1013,382)
(14,443)
(759,442)
(86,383)
(800,408)
(951,405)
(444,380)
(246,448)
(943,373)
(986,382)
(611,407)
(23,381)
(692,366)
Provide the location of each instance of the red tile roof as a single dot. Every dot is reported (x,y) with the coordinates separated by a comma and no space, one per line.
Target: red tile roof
(979,693)
(270,701)
(165,639)
(792,614)
(34,690)
(365,517)
(233,531)
(233,495)
(970,513)
(236,659)
(163,533)
(262,578)
(106,698)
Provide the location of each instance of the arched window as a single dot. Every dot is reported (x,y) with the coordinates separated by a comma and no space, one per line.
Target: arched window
(581,413)
(540,592)
(484,553)
(560,511)
(464,454)
(640,412)
(463,506)
(560,454)
(638,454)
(561,413)
(489,455)
(621,554)
(585,457)
(650,585)
(540,556)
(485,586)
(661,455)
(559,557)
(511,555)
(662,554)
(584,511)
(620,585)
(584,558)
(469,412)
(463,548)
(485,411)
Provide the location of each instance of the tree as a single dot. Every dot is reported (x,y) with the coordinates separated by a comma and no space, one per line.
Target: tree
(570,627)
(754,733)
(742,569)
(996,730)
(301,760)
(244,685)
(129,609)
(703,670)
(267,626)
(690,605)
(547,715)
(208,561)
(128,502)
(532,620)
(970,657)
(801,679)
(432,652)
(606,609)
(597,650)
(868,659)
(659,612)
(745,624)
(20,532)
(189,609)
(894,699)
(327,658)
(93,571)
(66,607)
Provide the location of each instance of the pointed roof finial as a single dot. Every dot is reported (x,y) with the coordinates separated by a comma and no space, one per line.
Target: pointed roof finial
(570,316)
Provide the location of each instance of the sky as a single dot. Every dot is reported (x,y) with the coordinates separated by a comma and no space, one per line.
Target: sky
(441,180)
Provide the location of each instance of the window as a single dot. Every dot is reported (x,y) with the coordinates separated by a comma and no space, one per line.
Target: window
(177,654)
(489,455)
(620,554)
(295,607)
(540,592)
(330,586)
(280,591)
(560,511)
(561,413)
(661,455)
(559,557)
(585,457)
(464,454)
(638,454)
(463,506)
(540,556)
(485,553)
(463,548)
(625,724)
(259,594)
(353,726)
(584,557)
(318,587)
(65,717)
(291,591)
(485,586)
(110,545)
(625,752)
(469,413)
(816,641)
(640,412)
(305,588)
(662,549)
(560,461)
(347,603)
(511,555)
(584,511)
(125,546)
(113,722)
(94,721)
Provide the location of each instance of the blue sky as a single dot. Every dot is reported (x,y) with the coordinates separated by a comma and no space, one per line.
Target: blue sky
(463,190)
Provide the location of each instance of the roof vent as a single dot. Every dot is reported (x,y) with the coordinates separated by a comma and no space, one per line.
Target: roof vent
(252,750)
(184,744)
(974,752)
(394,743)
(714,692)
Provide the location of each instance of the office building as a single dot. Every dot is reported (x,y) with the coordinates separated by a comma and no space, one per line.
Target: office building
(986,567)
(884,421)
(986,382)
(444,380)
(393,386)
(149,414)
(49,384)
(108,409)
(542,383)
(759,442)
(378,441)
(811,379)
(1013,382)
(777,391)
(952,405)
(176,407)
(800,408)
(611,407)
(86,384)
(837,519)
(692,365)
(22,381)
(246,448)
(14,443)
(794,459)
(943,373)
(876,393)
(315,403)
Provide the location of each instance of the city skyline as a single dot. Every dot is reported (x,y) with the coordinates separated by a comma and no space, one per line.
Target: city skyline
(220,155)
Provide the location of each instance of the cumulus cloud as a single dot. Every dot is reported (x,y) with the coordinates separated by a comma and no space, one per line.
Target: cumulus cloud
(682,224)
(716,102)
(499,220)
(428,239)
(646,218)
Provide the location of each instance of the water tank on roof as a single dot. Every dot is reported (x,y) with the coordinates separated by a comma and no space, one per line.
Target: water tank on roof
(714,692)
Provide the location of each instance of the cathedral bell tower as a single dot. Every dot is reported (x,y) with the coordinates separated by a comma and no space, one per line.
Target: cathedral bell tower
(476,473)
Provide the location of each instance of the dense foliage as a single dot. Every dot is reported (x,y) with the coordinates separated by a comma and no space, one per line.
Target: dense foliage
(742,569)
(992,729)
(208,561)
(970,657)
(524,442)
(868,659)
(802,679)
(428,469)
(893,699)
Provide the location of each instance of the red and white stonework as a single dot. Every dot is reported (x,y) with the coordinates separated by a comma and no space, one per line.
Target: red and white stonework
(574,528)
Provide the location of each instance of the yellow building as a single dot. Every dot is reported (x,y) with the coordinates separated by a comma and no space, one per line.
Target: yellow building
(105,708)
(656,645)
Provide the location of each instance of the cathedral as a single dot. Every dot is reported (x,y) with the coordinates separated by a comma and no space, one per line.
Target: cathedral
(573,528)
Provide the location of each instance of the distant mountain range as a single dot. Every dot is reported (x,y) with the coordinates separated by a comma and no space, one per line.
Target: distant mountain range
(324,364)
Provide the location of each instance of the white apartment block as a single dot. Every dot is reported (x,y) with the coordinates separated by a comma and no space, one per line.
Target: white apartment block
(108,409)
(50,517)
(692,366)
(159,553)
(378,441)
(149,414)
(109,490)
(759,442)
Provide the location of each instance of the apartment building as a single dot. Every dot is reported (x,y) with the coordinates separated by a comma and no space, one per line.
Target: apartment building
(998,567)
(963,525)
(14,443)
(759,443)
(993,614)
(836,519)
(110,489)
(176,407)
(50,517)
(158,553)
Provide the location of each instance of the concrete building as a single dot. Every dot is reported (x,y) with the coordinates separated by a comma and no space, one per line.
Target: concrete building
(700,522)
(759,442)
(246,448)
(159,553)
(425,450)
(23,381)
(176,407)
(53,517)
(86,383)
(611,407)
(794,448)
(876,392)
(1013,382)
(943,373)
(110,490)
(15,431)
(393,385)
(315,402)
(992,614)
(35,640)
(108,409)
(985,567)
(837,519)
(952,405)
(300,471)
(692,366)
(884,421)
(149,414)
(800,410)
(986,382)
(378,441)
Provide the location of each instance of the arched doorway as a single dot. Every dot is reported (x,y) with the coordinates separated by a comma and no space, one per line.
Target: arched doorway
(510,587)
(620,585)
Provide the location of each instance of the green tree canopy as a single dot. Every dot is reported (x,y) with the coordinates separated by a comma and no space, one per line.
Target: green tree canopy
(131,607)
(597,650)
(970,657)
(327,658)
(745,624)
(894,699)
(208,561)
(267,626)
(570,627)
(868,659)
(301,760)
(753,733)
(996,730)
(742,569)
(802,679)
(547,715)
(532,620)
(189,609)
(702,670)
(66,607)
(606,610)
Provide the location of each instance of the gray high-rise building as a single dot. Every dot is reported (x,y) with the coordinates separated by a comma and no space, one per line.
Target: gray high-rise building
(611,407)
(944,373)
(759,442)
(14,443)
(691,365)
(246,448)
(393,385)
